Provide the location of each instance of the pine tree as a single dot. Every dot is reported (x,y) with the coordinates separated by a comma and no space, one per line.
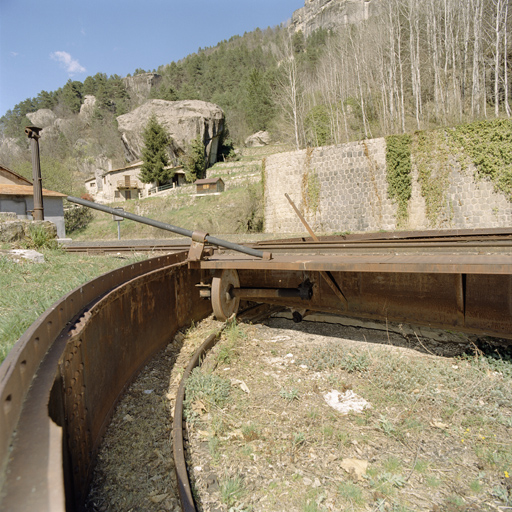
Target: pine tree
(154,154)
(71,96)
(259,106)
(194,161)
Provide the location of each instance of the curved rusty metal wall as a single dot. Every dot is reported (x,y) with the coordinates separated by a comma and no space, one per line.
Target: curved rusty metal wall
(61,381)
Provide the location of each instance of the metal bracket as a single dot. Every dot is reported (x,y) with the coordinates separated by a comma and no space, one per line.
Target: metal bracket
(205,290)
(197,247)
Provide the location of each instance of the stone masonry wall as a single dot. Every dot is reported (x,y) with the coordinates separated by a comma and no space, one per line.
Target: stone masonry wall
(344,188)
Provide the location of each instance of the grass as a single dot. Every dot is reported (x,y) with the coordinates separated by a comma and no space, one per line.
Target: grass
(333,356)
(229,212)
(438,431)
(251,432)
(289,394)
(204,392)
(227,351)
(28,289)
(231,490)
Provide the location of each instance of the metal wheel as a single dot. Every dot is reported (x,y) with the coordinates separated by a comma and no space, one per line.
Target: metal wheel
(222,303)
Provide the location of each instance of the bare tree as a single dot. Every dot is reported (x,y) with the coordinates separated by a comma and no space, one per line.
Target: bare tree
(505,60)
(288,92)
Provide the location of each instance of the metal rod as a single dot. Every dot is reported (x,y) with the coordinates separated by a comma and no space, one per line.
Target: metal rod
(264,293)
(169,227)
(33,134)
(327,276)
(302,219)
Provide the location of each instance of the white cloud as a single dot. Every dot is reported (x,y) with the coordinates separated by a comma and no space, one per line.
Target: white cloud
(71,65)
(14,54)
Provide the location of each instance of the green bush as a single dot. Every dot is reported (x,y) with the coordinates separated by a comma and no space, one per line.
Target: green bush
(488,144)
(77,218)
(194,161)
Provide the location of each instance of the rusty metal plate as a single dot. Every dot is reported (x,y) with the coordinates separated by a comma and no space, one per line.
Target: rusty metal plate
(479,304)
(401,263)
(65,375)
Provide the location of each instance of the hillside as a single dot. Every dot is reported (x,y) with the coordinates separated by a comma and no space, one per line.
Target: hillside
(401,67)
(237,211)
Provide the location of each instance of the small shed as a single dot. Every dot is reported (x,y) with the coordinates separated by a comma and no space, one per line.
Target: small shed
(17,196)
(209,186)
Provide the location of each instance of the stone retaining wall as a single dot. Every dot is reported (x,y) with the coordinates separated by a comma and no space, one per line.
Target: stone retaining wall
(344,188)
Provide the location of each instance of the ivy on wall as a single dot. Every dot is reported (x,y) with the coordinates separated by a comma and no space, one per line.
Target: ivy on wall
(431,157)
(310,186)
(398,164)
(488,145)
(485,144)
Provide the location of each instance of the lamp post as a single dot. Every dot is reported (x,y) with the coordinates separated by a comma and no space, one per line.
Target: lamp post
(33,134)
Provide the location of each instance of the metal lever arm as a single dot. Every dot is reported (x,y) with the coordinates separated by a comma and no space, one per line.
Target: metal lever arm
(169,227)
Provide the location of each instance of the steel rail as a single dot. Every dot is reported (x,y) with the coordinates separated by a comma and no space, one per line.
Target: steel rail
(409,235)
(179,424)
(477,243)
(109,249)
(60,382)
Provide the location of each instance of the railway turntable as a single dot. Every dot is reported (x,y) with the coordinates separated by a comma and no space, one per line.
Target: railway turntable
(466,292)
(62,380)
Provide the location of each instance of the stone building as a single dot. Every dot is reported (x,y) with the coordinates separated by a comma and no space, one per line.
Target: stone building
(124,184)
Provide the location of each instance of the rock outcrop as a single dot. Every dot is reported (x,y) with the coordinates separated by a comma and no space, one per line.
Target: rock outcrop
(330,14)
(139,86)
(257,139)
(184,121)
(14,230)
(10,149)
(87,108)
(42,118)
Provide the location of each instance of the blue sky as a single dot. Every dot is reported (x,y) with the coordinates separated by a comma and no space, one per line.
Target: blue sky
(43,43)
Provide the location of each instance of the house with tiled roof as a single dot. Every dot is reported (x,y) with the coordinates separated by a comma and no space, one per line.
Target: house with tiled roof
(125,183)
(17,196)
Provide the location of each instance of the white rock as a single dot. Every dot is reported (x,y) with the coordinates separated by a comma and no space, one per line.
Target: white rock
(28,254)
(257,139)
(42,118)
(346,402)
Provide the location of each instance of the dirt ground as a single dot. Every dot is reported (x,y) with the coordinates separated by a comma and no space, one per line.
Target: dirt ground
(316,417)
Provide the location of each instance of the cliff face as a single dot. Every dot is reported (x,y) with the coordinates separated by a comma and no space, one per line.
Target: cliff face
(141,85)
(330,14)
(183,122)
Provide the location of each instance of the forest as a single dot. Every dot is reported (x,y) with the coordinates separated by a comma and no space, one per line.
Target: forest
(416,65)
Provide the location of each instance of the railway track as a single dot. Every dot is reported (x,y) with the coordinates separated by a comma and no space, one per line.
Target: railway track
(468,241)
(179,433)
(62,380)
